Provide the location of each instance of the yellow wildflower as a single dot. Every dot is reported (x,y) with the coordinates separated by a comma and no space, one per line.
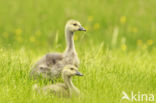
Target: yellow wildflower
(149,42)
(139,42)
(90,18)
(96,26)
(5,35)
(123,47)
(32,39)
(144,46)
(134,30)
(75,37)
(18,31)
(123,19)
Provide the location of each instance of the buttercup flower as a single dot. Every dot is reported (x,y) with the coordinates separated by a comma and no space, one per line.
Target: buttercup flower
(96,26)
(75,37)
(32,39)
(144,46)
(123,19)
(123,47)
(149,42)
(90,18)
(134,30)
(18,31)
(139,42)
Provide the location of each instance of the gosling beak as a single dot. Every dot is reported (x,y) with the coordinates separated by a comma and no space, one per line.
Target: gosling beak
(78,73)
(81,29)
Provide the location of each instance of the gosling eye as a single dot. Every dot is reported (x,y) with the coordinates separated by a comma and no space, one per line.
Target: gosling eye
(71,68)
(75,24)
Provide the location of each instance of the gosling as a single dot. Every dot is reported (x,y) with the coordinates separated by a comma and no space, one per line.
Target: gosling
(51,65)
(66,89)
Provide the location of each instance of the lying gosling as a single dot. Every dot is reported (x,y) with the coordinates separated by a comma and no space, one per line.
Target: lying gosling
(66,89)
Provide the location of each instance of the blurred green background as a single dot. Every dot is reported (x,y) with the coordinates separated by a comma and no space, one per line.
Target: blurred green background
(117,53)
(35,23)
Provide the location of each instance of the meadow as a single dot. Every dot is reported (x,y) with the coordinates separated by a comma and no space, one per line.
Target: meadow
(117,53)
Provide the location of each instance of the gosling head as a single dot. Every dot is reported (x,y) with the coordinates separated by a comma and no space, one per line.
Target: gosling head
(73,26)
(70,71)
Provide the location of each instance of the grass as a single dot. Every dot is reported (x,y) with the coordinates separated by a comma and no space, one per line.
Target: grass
(30,29)
(107,74)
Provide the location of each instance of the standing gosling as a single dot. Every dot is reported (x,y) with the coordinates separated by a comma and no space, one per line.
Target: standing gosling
(51,65)
(66,89)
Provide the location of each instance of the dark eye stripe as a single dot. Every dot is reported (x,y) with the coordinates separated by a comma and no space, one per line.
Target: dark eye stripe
(75,24)
(71,68)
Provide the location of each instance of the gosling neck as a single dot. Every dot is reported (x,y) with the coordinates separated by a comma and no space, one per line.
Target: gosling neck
(69,40)
(70,85)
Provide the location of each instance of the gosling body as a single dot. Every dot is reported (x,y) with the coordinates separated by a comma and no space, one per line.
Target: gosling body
(66,89)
